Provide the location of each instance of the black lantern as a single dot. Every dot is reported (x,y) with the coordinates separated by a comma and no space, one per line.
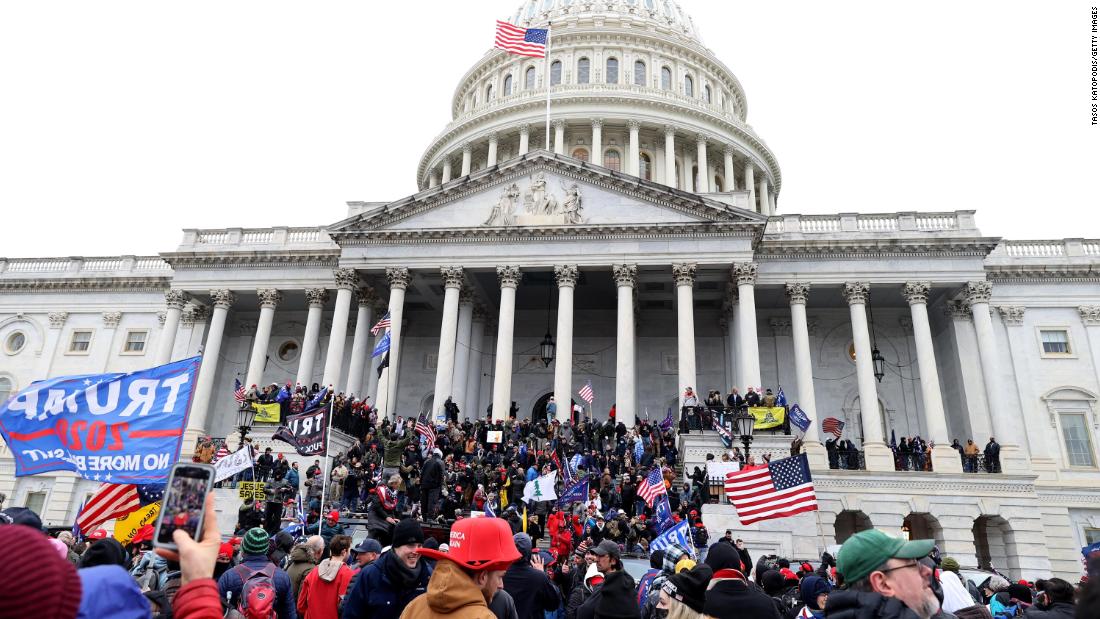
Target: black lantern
(546,349)
(880,364)
(743,424)
(246,415)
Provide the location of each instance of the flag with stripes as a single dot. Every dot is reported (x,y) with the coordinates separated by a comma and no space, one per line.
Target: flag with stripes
(652,486)
(425,428)
(781,488)
(833,426)
(222,452)
(723,433)
(522,41)
(586,393)
(381,325)
(238,390)
(109,501)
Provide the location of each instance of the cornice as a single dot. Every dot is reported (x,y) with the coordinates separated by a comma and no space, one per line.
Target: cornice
(87,284)
(945,485)
(859,249)
(548,233)
(232,260)
(1033,274)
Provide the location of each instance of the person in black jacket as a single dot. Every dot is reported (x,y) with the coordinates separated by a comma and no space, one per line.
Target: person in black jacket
(526,581)
(264,464)
(431,482)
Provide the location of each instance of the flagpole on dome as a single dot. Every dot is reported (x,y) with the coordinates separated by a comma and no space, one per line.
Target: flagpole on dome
(546,59)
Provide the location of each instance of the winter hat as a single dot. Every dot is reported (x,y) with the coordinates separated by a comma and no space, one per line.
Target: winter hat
(673,554)
(432,543)
(60,547)
(523,543)
(811,587)
(994,583)
(104,552)
(618,599)
(690,587)
(772,582)
(949,564)
(46,587)
(406,532)
(723,556)
(256,542)
(1019,592)
(21,515)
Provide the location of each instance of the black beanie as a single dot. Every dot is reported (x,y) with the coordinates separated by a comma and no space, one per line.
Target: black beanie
(690,586)
(407,531)
(723,556)
(772,582)
(618,600)
(107,551)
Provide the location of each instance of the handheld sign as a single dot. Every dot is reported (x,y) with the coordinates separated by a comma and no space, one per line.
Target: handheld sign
(119,428)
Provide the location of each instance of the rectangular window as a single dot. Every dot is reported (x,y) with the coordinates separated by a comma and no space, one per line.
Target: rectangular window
(35,501)
(1055,341)
(135,342)
(1091,536)
(81,342)
(1075,433)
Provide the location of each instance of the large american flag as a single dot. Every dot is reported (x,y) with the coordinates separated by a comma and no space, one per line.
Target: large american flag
(426,429)
(833,426)
(586,393)
(523,41)
(652,486)
(109,501)
(238,390)
(381,325)
(780,489)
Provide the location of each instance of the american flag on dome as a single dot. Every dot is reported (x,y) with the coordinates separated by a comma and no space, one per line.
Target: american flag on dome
(425,428)
(381,325)
(652,486)
(781,488)
(586,393)
(238,390)
(833,426)
(522,41)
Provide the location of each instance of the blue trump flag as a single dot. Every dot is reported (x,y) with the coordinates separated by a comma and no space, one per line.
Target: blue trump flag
(663,512)
(578,492)
(117,428)
(781,399)
(383,345)
(799,418)
(679,535)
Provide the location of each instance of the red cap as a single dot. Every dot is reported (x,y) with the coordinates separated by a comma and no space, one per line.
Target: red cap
(641,517)
(226,550)
(334,516)
(236,541)
(144,534)
(699,525)
(806,567)
(787,574)
(458,488)
(98,534)
(478,544)
(1024,583)
(694,513)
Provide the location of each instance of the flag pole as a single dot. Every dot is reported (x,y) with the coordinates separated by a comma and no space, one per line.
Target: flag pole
(324,482)
(547,63)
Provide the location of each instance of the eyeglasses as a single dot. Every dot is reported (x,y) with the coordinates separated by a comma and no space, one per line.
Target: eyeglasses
(915,564)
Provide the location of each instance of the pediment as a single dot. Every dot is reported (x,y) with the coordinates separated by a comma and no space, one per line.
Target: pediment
(543,190)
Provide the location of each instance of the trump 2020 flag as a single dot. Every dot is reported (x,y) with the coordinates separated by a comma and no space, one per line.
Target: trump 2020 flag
(305,432)
(799,418)
(117,428)
(541,489)
(383,345)
(577,493)
(679,535)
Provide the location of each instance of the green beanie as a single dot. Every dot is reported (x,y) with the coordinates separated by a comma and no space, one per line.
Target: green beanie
(949,565)
(255,542)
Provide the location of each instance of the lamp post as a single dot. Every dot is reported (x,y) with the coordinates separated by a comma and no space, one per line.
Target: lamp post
(246,415)
(546,347)
(743,423)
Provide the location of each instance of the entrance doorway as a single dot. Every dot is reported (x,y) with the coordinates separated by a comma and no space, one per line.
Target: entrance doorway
(538,411)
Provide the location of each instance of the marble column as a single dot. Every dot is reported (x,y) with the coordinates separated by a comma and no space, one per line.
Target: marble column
(750,184)
(193,323)
(316,299)
(744,273)
(364,299)
(1013,460)
(433,179)
(174,300)
(399,279)
(269,298)
(772,198)
(765,209)
(686,173)
(566,276)
(524,139)
(684,275)
(798,293)
(204,386)
(597,141)
(670,156)
(632,151)
(446,170)
(559,137)
(379,310)
(477,355)
(944,458)
(467,158)
(877,454)
(701,159)
(727,169)
(346,281)
(491,157)
(626,407)
(729,315)
(509,277)
(462,348)
(453,278)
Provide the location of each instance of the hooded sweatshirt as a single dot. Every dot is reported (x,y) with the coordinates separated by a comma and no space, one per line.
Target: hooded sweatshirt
(109,591)
(301,564)
(322,590)
(451,593)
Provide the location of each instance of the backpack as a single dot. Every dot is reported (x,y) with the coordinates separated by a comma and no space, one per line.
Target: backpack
(790,598)
(257,598)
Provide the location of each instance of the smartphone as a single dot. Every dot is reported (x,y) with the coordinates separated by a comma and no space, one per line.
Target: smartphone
(184,503)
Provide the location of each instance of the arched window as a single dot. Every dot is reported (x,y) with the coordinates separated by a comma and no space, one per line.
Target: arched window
(645,167)
(639,73)
(580,153)
(488,93)
(583,66)
(507,84)
(650,5)
(706,93)
(689,86)
(555,73)
(612,160)
(529,79)
(666,78)
(612,70)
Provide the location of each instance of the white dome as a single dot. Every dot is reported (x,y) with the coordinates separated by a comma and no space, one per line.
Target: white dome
(666,13)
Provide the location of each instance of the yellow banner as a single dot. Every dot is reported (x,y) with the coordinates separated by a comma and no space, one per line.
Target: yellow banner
(766,417)
(127,527)
(251,490)
(267,413)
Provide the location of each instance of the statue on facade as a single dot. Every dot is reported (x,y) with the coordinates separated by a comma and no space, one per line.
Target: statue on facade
(504,211)
(571,207)
(538,200)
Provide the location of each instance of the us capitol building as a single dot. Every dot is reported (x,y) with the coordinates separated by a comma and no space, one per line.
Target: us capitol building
(648,243)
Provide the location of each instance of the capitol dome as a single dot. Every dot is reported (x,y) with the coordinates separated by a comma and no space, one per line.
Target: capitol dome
(632,88)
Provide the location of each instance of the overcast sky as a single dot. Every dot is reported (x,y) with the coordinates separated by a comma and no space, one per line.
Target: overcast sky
(122,122)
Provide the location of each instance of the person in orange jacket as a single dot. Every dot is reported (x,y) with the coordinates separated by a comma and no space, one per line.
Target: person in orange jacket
(326,586)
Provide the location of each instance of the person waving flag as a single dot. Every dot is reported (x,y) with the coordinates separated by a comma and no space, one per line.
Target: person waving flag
(652,486)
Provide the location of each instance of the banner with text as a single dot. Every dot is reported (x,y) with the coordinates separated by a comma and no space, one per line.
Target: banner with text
(120,428)
(127,526)
(234,463)
(768,416)
(305,432)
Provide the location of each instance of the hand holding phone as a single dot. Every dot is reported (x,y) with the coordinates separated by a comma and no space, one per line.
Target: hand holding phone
(183,506)
(197,559)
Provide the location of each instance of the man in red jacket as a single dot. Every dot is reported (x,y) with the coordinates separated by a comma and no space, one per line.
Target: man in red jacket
(324,587)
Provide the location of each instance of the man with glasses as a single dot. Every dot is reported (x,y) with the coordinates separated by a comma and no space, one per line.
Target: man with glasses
(884,578)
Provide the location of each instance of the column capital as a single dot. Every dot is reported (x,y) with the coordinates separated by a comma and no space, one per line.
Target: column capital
(566,275)
(702,138)
(798,292)
(1090,315)
(111,319)
(316,297)
(597,123)
(269,297)
(626,275)
(728,150)
(222,298)
(467,147)
(525,128)
(633,124)
(509,276)
(1012,314)
(493,137)
(979,291)
(365,296)
(192,314)
(162,317)
(670,130)
(958,310)
(916,292)
(346,279)
(684,273)
(453,276)
(780,326)
(175,299)
(558,123)
(856,292)
(744,273)
(398,277)
(57,319)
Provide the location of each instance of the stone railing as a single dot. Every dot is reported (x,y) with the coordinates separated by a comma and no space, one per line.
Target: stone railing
(79,266)
(199,240)
(878,223)
(1046,249)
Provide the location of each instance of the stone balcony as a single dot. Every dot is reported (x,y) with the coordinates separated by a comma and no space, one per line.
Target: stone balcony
(906,224)
(255,239)
(83,267)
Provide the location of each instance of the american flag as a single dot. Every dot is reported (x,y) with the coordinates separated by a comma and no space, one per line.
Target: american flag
(110,501)
(381,325)
(652,486)
(222,452)
(426,429)
(238,390)
(523,41)
(586,393)
(780,489)
(833,426)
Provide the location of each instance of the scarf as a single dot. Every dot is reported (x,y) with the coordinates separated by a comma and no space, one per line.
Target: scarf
(401,577)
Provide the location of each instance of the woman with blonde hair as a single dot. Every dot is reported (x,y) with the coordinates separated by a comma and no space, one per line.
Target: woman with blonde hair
(684,594)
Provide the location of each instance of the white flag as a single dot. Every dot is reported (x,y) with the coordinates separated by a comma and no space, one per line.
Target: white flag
(232,464)
(541,489)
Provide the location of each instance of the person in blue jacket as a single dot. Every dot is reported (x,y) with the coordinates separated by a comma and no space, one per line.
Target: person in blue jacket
(385,587)
(254,550)
(109,591)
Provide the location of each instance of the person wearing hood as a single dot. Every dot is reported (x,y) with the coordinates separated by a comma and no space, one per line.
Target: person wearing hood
(384,588)
(280,554)
(593,578)
(303,558)
(526,581)
(1011,602)
(814,591)
(956,599)
(254,550)
(325,586)
(885,578)
(109,591)
(730,594)
(469,574)
(673,554)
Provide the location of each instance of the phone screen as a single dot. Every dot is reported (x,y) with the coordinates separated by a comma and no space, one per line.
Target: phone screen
(184,502)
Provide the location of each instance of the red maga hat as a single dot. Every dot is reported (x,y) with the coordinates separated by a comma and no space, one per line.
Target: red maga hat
(478,544)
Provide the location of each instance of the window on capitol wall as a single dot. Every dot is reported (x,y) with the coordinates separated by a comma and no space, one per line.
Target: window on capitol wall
(6,388)
(529,78)
(584,66)
(507,85)
(612,70)
(639,73)
(666,78)
(689,86)
(580,153)
(612,160)
(555,73)
(645,166)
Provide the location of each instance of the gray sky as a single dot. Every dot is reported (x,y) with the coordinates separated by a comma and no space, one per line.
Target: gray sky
(123,122)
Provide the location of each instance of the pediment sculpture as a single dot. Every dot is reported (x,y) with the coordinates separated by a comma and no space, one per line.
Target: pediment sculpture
(540,206)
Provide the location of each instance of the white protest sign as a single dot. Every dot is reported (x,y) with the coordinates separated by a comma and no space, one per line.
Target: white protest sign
(232,464)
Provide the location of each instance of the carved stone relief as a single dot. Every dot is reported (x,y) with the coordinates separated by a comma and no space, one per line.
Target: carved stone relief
(540,205)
